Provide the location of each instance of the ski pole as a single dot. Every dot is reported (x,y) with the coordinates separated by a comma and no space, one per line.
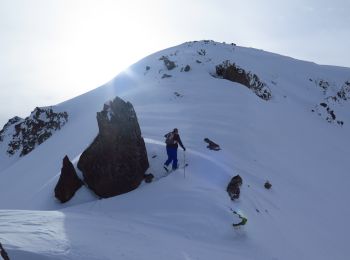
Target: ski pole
(184,164)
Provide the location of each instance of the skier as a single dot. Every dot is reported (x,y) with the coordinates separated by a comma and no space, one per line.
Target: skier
(172,141)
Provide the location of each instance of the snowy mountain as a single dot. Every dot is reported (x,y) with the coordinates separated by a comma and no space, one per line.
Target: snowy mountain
(275,118)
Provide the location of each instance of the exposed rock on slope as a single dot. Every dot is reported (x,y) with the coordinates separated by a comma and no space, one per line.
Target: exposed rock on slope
(23,135)
(116,161)
(328,107)
(212,145)
(168,63)
(233,188)
(344,92)
(68,182)
(6,127)
(234,73)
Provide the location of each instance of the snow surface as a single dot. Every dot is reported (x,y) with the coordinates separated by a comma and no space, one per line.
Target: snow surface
(188,214)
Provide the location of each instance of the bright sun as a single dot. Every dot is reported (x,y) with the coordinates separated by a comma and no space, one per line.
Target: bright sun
(102,38)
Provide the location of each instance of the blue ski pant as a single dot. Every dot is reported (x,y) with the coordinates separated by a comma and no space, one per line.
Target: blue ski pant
(172,156)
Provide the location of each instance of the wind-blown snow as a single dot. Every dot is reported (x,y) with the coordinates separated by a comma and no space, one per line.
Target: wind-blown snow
(188,214)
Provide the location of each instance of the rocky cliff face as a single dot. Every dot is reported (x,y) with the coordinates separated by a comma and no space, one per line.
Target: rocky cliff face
(116,161)
(23,135)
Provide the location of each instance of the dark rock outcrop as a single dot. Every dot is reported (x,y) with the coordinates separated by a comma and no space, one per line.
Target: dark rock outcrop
(211,145)
(68,182)
(344,92)
(267,185)
(232,72)
(325,110)
(116,161)
(3,253)
(233,188)
(6,127)
(187,68)
(328,108)
(323,84)
(34,130)
(168,63)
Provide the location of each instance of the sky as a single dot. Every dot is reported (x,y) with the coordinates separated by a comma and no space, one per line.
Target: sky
(54,50)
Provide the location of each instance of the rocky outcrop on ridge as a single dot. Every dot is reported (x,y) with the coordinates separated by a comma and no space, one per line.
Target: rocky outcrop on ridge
(116,161)
(168,63)
(23,135)
(68,182)
(7,126)
(232,72)
(327,108)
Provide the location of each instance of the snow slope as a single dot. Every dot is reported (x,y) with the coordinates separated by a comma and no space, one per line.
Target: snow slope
(303,216)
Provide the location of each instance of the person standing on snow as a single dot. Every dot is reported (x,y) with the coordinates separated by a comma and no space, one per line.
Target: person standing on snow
(172,141)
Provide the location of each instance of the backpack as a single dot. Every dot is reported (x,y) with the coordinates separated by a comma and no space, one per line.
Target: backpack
(170,138)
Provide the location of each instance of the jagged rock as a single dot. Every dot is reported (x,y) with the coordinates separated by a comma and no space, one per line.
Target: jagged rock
(212,145)
(344,92)
(116,161)
(27,133)
(168,63)
(68,182)
(148,177)
(6,127)
(267,185)
(3,253)
(233,188)
(234,73)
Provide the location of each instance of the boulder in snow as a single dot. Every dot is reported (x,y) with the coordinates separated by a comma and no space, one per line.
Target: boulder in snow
(233,188)
(116,160)
(68,182)
(267,185)
(211,145)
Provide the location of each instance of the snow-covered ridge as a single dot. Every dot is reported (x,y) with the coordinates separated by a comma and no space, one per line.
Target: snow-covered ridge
(188,213)
(23,135)
(262,72)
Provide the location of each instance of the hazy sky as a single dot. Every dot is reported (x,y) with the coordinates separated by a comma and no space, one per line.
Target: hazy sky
(52,50)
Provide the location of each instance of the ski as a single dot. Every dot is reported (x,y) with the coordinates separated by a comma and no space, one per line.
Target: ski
(167,171)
